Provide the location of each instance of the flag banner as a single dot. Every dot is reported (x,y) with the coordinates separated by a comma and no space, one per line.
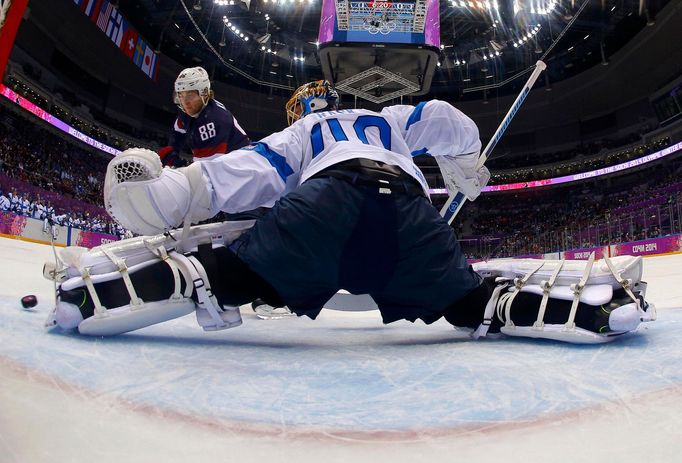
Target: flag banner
(104,13)
(96,8)
(140,49)
(128,40)
(114,27)
(86,6)
(110,21)
(89,7)
(149,62)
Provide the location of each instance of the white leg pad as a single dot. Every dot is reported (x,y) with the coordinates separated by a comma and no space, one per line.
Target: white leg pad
(590,282)
(129,318)
(559,333)
(80,268)
(629,267)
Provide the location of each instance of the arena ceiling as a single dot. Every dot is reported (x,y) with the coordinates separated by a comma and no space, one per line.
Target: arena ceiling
(483,43)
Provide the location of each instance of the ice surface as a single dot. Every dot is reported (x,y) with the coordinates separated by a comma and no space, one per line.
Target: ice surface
(343,387)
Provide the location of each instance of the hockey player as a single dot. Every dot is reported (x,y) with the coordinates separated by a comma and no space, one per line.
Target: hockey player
(213,131)
(4,202)
(349,211)
(206,124)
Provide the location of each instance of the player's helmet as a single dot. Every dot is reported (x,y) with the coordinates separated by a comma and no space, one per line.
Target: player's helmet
(311,97)
(192,79)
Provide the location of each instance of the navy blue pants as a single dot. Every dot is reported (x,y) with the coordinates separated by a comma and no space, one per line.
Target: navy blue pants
(329,234)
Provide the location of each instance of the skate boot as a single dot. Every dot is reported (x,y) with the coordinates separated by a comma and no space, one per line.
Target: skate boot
(264,311)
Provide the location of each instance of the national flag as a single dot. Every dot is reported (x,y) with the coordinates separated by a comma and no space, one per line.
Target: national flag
(156,69)
(90,7)
(104,13)
(110,20)
(114,31)
(140,49)
(149,62)
(86,6)
(94,14)
(129,40)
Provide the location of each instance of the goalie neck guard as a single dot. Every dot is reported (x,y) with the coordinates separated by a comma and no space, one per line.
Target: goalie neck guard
(309,98)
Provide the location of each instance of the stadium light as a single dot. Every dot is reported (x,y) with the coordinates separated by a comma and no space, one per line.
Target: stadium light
(234,29)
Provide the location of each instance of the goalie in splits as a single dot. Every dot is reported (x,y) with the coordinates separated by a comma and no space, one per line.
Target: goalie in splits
(349,211)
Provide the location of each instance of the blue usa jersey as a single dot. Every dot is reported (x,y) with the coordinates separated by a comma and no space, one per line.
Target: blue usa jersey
(258,175)
(213,132)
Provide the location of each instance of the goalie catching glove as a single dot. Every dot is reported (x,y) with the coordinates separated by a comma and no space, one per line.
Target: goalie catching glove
(148,199)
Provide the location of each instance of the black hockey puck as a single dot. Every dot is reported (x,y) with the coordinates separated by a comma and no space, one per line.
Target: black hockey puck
(29,301)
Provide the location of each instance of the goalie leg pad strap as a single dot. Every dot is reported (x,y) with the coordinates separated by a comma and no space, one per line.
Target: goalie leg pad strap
(577,289)
(211,316)
(546,288)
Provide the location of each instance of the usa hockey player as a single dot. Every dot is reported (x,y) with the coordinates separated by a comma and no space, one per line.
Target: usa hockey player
(211,130)
(349,211)
(204,123)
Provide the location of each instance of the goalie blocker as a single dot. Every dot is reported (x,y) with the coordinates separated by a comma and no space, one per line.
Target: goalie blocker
(127,285)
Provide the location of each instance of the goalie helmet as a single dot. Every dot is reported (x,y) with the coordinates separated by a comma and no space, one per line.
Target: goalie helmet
(312,97)
(192,79)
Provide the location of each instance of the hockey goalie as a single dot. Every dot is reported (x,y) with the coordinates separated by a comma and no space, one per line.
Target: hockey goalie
(349,210)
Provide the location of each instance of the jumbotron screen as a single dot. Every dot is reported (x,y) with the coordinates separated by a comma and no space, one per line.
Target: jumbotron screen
(379,22)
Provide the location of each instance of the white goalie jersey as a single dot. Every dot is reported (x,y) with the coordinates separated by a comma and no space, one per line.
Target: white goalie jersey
(258,175)
(148,199)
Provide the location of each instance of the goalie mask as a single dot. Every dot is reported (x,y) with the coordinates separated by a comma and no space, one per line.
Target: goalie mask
(192,80)
(310,98)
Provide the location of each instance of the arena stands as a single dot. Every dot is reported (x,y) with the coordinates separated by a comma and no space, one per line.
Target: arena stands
(43,176)
(636,206)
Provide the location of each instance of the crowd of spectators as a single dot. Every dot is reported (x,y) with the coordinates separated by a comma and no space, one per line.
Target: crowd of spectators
(582,150)
(576,216)
(531,167)
(577,163)
(28,205)
(45,177)
(34,155)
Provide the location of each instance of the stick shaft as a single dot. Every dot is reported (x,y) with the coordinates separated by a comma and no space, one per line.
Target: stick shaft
(455,202)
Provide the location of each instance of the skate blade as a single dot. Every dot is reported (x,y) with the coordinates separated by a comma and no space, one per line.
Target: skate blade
(274,316)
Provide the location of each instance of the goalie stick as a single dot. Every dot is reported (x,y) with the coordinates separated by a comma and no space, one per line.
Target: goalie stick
(456,201)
